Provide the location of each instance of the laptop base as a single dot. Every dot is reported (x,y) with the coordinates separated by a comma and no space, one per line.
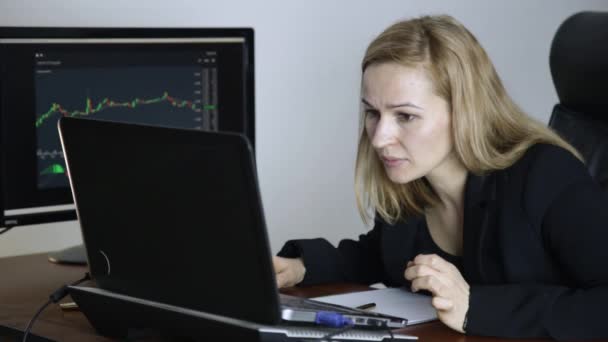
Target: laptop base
(119,316)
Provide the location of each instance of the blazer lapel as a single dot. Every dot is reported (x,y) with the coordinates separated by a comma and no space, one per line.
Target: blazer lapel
(479,218)
(521,251)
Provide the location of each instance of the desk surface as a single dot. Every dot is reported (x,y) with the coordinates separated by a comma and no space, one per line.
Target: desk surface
(28,280)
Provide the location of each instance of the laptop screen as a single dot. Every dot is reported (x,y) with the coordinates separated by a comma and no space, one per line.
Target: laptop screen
(172,215)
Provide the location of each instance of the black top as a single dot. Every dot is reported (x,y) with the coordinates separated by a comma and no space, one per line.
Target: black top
(426,245)
(534,250)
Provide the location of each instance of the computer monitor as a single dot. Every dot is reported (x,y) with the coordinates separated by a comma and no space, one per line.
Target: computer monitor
(193,78)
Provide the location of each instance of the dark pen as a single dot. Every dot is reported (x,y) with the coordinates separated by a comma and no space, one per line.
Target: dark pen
(366,306)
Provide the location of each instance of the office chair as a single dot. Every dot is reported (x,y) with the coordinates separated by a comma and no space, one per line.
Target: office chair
(579,67)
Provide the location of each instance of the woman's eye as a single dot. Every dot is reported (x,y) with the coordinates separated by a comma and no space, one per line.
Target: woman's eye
(406,117)
(371,114)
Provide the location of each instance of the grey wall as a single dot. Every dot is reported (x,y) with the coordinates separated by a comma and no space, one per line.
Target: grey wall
(307,86)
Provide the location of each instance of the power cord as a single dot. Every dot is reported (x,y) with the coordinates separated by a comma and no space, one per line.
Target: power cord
(390,333)
(383,324)
(53,298)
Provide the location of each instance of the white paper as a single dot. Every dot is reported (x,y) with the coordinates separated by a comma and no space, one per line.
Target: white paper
(400,302)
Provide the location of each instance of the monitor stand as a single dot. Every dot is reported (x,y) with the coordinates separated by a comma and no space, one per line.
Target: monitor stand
(75,255)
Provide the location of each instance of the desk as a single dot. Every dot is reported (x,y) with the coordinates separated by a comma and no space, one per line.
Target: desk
(28,280)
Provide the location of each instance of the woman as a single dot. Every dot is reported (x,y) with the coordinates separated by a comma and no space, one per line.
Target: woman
(475,202)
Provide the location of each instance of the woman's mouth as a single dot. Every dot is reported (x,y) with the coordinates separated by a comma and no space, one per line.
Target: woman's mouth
(393,162)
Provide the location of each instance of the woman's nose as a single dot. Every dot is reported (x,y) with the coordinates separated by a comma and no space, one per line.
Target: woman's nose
(384,133)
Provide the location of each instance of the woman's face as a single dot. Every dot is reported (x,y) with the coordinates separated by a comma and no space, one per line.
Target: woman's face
(407,124)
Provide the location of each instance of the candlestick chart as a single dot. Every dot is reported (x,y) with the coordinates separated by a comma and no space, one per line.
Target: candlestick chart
(172,96)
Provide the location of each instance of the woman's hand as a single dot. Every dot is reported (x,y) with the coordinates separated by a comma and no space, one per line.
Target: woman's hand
(289,272)
(450,290)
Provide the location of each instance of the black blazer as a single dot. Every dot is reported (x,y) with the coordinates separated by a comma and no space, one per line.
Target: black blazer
(535,250)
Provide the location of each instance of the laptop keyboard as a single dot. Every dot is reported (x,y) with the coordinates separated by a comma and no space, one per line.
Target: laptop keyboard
(352,335)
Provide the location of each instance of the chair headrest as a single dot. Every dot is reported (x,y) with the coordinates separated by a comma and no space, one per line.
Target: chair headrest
(579,63)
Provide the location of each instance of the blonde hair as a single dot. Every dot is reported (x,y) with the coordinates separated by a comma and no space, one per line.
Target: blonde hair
(490,131)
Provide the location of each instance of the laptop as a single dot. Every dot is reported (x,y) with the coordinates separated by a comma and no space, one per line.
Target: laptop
(175,216)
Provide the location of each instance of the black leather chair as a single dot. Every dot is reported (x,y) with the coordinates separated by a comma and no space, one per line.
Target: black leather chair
(579,66)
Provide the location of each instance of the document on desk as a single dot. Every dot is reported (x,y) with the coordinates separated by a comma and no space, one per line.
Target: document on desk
(400,302)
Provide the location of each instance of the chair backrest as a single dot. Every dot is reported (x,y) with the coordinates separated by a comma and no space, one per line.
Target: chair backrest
(579,67)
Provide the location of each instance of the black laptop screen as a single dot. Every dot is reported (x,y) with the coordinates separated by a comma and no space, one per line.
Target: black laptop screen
(172,215)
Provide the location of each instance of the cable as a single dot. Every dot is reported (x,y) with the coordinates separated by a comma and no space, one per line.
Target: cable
(388,330)
(29,325)
(390,333)
(53,298)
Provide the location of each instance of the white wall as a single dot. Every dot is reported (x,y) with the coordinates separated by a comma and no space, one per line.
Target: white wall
(307,86)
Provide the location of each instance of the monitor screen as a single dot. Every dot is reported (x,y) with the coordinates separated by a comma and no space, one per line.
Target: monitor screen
(200,79)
